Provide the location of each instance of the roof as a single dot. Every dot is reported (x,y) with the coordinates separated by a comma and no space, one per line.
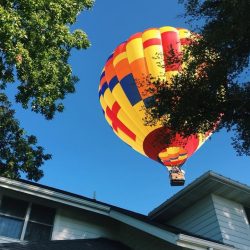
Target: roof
(144,223)
(86,244)
(125,211)
(208,183)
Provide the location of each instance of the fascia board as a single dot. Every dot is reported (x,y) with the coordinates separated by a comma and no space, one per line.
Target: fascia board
(53,196)
(200,244)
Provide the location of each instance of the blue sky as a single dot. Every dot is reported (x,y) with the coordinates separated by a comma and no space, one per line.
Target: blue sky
(87,155)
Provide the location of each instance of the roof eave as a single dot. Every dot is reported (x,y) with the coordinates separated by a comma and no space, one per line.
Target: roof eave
(53,196)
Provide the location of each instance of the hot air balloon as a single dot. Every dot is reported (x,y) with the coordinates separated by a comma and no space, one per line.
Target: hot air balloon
(124,100)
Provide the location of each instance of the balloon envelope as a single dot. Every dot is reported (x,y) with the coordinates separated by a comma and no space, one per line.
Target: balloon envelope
(124,98)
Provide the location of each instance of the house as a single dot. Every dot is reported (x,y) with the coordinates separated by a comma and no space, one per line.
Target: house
(213,212)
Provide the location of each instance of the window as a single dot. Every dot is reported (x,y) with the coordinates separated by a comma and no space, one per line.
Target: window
(25,221)
(12,216)
(40,223)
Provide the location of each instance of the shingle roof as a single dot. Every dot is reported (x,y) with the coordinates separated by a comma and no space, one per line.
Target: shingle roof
(122,210)
(86,244)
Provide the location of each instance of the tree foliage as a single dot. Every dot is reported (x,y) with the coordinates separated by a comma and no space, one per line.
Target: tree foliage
(35,45)
(213,88)
(18,151)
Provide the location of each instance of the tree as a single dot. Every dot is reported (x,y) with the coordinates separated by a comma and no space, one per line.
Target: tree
(35,45)
(213,90)
(18,151)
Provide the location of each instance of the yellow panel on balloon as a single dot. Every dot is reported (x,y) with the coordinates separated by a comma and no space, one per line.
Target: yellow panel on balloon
(134,49)
(136,146)
(109,98)
(122,116)
(128,108)
(140,108)
(153,53)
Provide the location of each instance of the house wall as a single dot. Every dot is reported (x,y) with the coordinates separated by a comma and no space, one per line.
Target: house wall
(233,222)
(75,224)
(216,218)
(71,224)
(199,219)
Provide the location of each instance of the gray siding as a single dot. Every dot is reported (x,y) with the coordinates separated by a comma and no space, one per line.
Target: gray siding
(216,218)
(199,219)
(233,222)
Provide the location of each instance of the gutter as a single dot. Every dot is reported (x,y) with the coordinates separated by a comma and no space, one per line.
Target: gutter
(200,244)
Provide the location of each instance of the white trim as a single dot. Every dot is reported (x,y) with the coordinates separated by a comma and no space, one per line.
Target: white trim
(26,221)
(54,196)
(200,244)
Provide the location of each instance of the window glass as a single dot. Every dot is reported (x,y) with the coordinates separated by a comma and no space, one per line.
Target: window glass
(13,207)
(38,232)
(10,227)
(42,214)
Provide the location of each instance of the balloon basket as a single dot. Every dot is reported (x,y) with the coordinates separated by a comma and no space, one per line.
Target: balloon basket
(177,179)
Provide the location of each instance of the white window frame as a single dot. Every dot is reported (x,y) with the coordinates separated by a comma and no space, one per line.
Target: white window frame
(26,221)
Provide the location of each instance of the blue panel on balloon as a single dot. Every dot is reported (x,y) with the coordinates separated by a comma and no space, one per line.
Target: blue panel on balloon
(103,89)
(130,89)
(113,83)
(148,101)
